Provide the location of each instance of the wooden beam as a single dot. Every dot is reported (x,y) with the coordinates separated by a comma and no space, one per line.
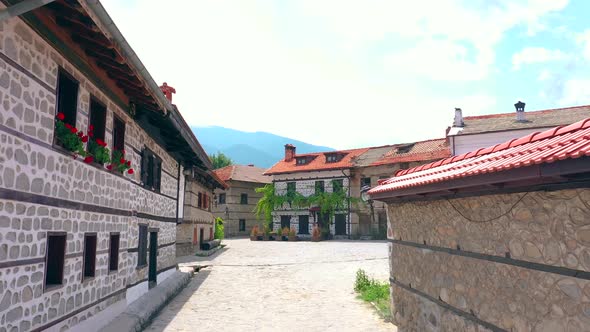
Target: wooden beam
(83,38)
(74,22)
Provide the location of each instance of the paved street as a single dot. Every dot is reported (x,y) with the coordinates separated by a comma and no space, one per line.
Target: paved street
(270,286)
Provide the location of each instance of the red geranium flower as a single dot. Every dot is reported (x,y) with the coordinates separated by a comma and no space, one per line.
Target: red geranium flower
(121,161)
(80,134)
(90,128)
(123,151)
(89,159)
(84,139)
(90,134)
(60,116)
(130,171)
(110,167)
(69,126)
(100,142)
(128,162)
(73,130)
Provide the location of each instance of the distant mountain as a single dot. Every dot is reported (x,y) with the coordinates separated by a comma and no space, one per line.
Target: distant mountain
(259,148)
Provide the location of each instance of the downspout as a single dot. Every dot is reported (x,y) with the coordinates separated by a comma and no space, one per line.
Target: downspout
(349,212)
(178,194)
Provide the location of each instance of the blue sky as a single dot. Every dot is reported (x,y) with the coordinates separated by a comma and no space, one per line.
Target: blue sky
(349,74)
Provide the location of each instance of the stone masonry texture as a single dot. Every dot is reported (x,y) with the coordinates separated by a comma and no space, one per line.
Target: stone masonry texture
(546,227)
(30,164)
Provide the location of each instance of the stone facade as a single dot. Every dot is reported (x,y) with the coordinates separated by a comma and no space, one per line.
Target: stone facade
(502,261)
(196,219)
(233,210)
(43,189)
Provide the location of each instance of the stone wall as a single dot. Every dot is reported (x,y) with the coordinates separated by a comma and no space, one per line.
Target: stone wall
(236,210)
(504,259)
(194,219)
(44,189)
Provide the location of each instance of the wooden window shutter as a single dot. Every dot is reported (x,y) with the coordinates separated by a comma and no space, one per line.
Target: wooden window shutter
(157,172)
(144,166)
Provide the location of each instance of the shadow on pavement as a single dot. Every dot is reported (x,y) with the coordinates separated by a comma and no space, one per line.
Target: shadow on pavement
(171,310)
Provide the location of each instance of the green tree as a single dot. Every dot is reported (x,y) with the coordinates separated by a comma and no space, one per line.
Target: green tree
(220,160)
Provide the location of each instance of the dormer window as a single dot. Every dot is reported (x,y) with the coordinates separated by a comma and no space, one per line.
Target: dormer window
(301,160)
(333,157)
(405,148)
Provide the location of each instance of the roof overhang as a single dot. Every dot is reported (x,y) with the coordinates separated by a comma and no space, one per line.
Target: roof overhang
(572,172)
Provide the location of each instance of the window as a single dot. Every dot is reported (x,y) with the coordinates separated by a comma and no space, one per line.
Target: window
(291,187)
(242,225)
(244,199)
(67,97)
(114,252)
(285,222)
(89,255)
(301,160)
(118,134)
(303,224)
(222,198)
(200,200)
(206,207)
(365,182)
(319,187)
(334,157)
(151,170)
(337,185)
(142,242)
(98,119)
(405,148)
(54,261)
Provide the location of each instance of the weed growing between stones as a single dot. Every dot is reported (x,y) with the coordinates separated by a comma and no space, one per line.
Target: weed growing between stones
(374,292)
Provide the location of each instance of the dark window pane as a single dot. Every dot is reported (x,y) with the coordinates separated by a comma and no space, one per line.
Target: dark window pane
(114,252)
(244,199)
(67,98)
(118,134)
(285,222)
(337,185)
(365,182)
(142,246)
(221,198)
(319,187)
(89,255)
(56,249)
(98,118)
(291,187)
(242,225)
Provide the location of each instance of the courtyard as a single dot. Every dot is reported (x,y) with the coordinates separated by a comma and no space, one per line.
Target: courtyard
(275,286)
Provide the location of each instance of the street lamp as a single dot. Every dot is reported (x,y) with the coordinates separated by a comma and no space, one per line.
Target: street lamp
(365,195)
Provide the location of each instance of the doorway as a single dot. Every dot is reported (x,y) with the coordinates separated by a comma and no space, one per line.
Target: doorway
(153,263)
(340,224)
(201,237)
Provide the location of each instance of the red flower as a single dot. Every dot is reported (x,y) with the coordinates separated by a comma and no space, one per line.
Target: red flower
(69,126)
(80,134)
(90,128)
(101,142)
(123,151)
(90,134)
(110,167)
(128,162)
(121,161)
(73,130)
(130,171)
(84,139)
(60,116)
(89,159)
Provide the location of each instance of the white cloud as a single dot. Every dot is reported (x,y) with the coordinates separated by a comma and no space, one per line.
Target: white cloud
(308,70)
(531,55)
(575,92)
(544,75)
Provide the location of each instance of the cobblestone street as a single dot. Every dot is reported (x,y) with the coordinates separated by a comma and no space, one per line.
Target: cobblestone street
(270,286)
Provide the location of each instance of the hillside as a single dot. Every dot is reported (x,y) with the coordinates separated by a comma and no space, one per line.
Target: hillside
(259,148)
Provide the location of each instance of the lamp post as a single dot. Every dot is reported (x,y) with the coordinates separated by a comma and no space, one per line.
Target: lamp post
(367,199)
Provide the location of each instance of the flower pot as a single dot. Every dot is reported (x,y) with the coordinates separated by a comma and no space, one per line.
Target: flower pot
(265,237)
(253,238)
(293,238)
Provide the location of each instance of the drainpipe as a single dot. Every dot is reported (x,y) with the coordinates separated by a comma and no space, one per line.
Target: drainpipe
(178,193)
(349,212)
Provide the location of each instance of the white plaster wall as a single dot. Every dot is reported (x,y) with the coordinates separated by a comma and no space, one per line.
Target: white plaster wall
(467,143)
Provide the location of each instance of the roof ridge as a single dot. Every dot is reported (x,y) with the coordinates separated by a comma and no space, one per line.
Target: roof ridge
(497,115)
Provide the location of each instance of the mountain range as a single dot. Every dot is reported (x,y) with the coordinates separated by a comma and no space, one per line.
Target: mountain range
(259,148)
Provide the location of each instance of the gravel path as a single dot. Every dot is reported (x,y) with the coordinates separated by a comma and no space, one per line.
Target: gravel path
(270,286)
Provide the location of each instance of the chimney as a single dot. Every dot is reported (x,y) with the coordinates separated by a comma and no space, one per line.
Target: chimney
(289,152)
(458,122)
(520,111)
(250,165)
(168,91)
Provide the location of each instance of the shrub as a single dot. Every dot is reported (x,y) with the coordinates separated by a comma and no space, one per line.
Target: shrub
(254,231)
(219,229)
(362,281)
(292,232)
(285,231)
(372,290)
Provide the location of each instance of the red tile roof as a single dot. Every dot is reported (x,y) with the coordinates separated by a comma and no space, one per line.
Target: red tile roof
(563,142)
(433,149)
(244,173)
(317,164)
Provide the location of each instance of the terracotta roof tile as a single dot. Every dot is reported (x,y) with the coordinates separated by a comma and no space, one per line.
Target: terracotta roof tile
(318,163)
(428,150)
(563,142)
(244,173)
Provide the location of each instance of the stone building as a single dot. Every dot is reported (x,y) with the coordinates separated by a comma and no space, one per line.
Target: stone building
(350,171)
(80,240)
(198,224)
(494,240)
(470,133)
(235,204)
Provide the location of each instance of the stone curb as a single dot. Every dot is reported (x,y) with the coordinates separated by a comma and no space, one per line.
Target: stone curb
(139,313)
